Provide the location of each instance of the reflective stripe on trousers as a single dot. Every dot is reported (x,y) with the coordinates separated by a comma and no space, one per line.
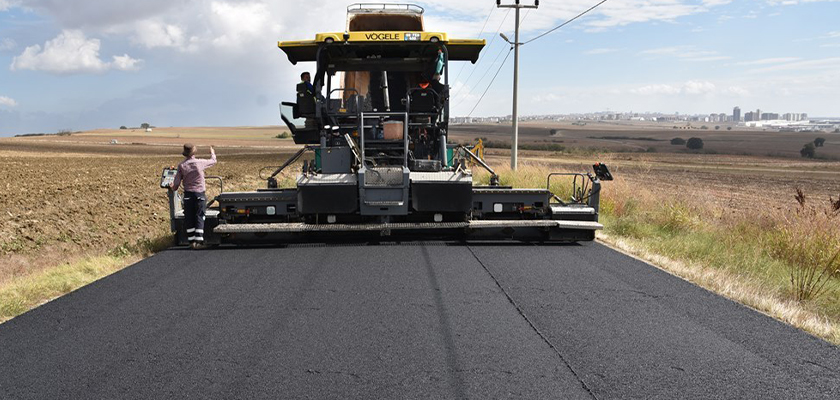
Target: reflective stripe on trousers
(194,207)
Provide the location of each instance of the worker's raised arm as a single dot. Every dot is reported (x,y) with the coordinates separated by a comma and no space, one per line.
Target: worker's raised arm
(212,161)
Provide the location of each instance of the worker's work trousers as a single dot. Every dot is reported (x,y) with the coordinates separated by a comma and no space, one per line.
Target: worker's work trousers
(194,203)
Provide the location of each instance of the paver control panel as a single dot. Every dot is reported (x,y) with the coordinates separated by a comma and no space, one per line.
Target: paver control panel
(167,177)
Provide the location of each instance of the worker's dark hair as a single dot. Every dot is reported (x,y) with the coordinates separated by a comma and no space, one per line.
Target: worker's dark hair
(304,74)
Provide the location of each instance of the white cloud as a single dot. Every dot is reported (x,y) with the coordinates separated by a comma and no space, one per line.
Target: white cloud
(694,87)
(618,13)
(7,101)
(240,21)
(685,53)
(5,5)
(832,63)
(229,26)
(795,2)
(69,53)
(600,51)
(689,88)
(707,58)
(467,16)
(737,91)
(7,44)
(551,97)
(125,63)
(91,14)
(765,61)
(656,90)
(151,34)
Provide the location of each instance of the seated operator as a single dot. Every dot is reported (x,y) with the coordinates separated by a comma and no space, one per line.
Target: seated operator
(306,95)
(305,84)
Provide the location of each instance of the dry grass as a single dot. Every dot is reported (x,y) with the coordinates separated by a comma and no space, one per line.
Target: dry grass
(780,259)
(808,240)
(70,219)
(744,289)
(23,292)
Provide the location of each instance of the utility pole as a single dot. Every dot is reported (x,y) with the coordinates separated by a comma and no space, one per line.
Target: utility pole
(515,145)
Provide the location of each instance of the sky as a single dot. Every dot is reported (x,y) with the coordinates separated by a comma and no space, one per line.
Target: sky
(87,64)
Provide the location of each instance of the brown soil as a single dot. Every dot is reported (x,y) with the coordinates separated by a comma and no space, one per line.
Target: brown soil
(640,138)
(59,199)
(62,196)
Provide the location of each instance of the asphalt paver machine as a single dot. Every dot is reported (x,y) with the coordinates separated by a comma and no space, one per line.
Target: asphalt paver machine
(376,119)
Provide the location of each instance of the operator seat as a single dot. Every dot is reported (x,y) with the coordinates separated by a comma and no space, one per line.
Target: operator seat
(424,101)
(305,101)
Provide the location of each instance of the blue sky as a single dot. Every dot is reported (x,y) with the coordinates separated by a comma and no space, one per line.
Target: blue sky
(90,64)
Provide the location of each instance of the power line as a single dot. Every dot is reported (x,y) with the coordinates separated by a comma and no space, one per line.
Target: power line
(491,83)
(480,59)
(482,76)
(486,20)
(566,23)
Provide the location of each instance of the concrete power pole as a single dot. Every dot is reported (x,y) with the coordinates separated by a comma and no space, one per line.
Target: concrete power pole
(515,145)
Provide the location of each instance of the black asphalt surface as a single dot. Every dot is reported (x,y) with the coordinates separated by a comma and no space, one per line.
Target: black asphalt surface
(425,320)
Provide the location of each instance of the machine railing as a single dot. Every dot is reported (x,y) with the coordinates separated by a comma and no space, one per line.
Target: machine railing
(221,182)
(579,189)
(363,116)
(373,7)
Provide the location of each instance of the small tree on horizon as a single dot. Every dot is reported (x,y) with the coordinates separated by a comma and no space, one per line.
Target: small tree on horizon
(808,150)
(677,141)
(694,143)
(145,125)
(819,142)
(123,127)
(717,127)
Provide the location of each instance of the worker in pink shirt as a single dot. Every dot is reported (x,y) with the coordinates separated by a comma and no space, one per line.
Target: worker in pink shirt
(191,173)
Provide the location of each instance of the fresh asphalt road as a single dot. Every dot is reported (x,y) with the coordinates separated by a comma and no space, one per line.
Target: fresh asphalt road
(424,320)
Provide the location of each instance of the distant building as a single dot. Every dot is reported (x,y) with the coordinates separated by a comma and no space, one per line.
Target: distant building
(736,114)
(757,116)
(722,117)
(749,116)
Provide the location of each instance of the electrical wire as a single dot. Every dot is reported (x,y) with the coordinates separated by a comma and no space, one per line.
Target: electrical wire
(494,60)
(565,23)
(479,35)
(491,83)
(477,83)
(493,39)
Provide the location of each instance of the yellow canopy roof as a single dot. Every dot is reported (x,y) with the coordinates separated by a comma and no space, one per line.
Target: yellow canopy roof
(385,44)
